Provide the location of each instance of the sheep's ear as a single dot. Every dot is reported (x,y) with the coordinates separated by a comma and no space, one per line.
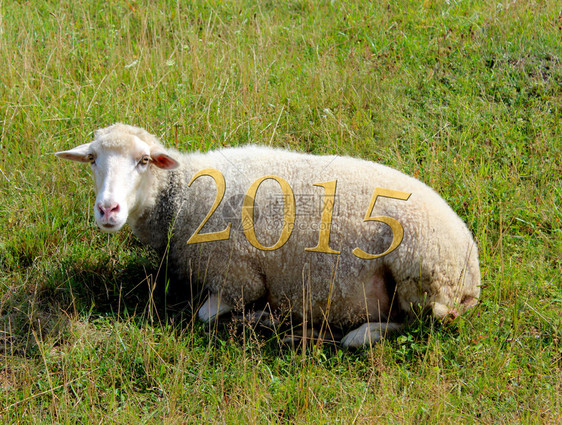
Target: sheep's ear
(79,153)
(163,160)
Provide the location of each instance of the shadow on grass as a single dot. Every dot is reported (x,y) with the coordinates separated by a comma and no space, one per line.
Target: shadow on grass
(133,289)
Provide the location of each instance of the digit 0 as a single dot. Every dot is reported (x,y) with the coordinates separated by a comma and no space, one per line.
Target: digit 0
(288,215)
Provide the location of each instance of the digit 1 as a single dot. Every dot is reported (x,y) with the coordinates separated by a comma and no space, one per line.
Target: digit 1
(326,220)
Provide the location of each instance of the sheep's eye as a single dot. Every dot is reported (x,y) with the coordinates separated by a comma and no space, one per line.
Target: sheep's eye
(144,160)
(91,159)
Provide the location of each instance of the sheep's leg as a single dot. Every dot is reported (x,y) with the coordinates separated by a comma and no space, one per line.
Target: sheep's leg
(212,308)
(444,313)
(369,333)
(313,334)
(262,317)
(440,311)
(297,335)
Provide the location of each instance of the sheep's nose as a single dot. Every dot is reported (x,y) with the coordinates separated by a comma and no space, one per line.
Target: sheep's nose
(108,211)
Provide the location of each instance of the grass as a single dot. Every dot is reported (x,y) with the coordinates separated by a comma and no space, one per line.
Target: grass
(465,95)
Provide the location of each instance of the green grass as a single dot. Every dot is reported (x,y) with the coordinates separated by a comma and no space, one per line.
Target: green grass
(465,95)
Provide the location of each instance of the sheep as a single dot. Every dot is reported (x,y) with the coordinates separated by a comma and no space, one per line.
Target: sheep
(331,239)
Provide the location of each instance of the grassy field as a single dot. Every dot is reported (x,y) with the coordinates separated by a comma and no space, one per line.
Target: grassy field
(464,95)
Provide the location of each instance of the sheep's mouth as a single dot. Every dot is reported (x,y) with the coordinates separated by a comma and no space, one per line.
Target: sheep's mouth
(109,227)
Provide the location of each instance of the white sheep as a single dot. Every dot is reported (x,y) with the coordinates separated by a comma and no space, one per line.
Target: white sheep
(332,239)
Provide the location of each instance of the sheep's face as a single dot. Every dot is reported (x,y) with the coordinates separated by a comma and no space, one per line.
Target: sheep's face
(123,176)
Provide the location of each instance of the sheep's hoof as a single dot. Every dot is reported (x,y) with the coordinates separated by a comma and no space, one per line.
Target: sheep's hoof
(368,333)
(262,318)
(212,308)
(296,336)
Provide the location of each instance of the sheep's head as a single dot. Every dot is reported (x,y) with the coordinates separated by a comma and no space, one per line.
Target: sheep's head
(122,160)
